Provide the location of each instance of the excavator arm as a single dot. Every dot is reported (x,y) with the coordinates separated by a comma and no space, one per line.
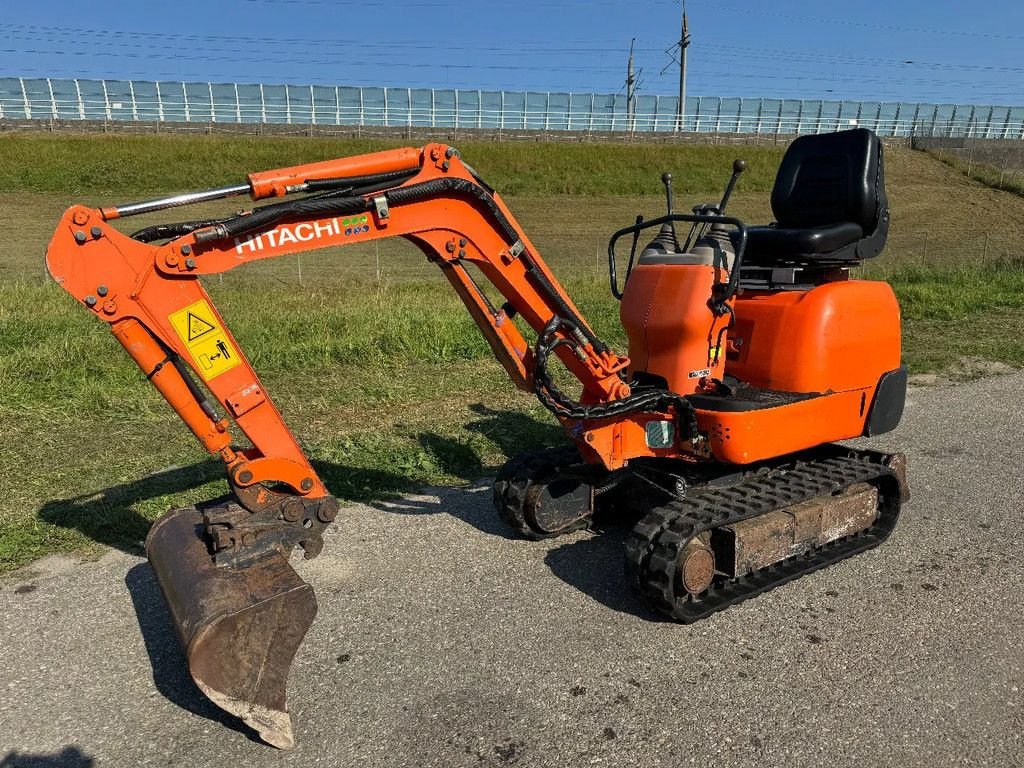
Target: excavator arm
(153,298)
(223,567)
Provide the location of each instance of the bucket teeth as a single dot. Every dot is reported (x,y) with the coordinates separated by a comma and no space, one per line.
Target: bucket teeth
(240,626)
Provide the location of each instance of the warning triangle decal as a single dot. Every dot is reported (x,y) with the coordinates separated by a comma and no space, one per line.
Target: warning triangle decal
(198,327)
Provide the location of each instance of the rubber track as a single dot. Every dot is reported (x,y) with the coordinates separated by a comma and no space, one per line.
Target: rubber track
(653,547)
(515,478)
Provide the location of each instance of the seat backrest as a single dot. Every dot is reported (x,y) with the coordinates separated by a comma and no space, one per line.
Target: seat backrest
(830,178)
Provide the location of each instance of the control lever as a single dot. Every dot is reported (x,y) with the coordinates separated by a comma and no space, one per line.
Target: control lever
(738,167)
(666,240)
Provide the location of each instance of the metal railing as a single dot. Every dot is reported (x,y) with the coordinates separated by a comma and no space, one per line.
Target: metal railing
(163,101)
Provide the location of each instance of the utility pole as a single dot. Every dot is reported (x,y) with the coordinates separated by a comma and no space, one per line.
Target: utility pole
(684,43)
(630,91)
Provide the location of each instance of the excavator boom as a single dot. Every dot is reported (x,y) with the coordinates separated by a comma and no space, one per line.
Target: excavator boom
(239,608)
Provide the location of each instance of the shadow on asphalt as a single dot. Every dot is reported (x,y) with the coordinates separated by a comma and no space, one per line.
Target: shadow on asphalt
(593,564)
(170,669)
(69,757)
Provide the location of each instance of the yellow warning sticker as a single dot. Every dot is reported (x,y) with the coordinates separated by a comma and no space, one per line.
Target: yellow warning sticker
(206,340)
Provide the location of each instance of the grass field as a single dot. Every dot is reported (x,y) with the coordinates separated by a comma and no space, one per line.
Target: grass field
(369,354)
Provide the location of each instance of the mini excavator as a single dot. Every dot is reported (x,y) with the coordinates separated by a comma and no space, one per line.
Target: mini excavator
(752,352)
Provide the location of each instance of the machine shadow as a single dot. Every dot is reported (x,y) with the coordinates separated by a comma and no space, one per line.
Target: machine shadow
(593,564)
(511,431)
(110,516)
(167,659)
(69,757)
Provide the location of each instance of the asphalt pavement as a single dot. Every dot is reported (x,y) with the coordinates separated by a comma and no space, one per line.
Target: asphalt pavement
(442,641)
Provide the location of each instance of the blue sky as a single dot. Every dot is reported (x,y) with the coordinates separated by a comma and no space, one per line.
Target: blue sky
(910,50)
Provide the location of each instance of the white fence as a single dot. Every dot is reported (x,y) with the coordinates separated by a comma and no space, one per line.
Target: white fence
(189,102)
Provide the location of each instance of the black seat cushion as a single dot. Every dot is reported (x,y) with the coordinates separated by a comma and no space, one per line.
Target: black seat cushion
(783,241)
(829,202)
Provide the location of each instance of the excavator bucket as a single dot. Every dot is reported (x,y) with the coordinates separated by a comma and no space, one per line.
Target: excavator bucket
(240,626)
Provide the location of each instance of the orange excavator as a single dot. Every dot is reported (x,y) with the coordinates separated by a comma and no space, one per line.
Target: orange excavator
(752,351)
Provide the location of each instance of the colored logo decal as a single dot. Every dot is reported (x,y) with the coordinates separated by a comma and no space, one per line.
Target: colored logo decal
(355,225)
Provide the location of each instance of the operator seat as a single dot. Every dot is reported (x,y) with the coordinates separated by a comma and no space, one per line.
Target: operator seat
(829,203)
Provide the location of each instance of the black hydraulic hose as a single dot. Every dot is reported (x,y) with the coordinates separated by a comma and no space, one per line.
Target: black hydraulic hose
(344,201)
(646,401)
(270,215)
(451,185)
(169,231)
(332,189)
(391,178)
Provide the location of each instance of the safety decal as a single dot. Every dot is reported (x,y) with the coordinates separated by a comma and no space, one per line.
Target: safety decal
(201,332)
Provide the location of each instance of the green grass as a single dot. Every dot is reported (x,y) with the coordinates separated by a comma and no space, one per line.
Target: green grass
(384,377)
(81,165)
(1005,180)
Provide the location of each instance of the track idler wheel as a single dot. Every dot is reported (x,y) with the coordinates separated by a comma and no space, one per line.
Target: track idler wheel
(239,625)
(545,493)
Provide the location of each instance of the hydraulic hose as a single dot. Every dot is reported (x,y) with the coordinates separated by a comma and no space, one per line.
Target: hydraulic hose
(556,401)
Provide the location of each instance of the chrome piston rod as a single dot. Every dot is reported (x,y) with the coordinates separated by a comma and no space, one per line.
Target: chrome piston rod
(148,206)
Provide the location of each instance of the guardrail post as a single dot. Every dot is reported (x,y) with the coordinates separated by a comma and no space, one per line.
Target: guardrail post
(362,112)
(53,101)
(287,105)
(24,96)
(106,101)
(479,108)
(501,115)
(135,106)
(263,106)
(386,123)
(238,105)
(337,105)
(184,96)
(159,102)
(970,122)
(408,108)
(312,107)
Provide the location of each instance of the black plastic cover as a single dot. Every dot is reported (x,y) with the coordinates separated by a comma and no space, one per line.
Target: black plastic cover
(887,407)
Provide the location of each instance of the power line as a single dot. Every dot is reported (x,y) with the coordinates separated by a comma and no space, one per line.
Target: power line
(866,25)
